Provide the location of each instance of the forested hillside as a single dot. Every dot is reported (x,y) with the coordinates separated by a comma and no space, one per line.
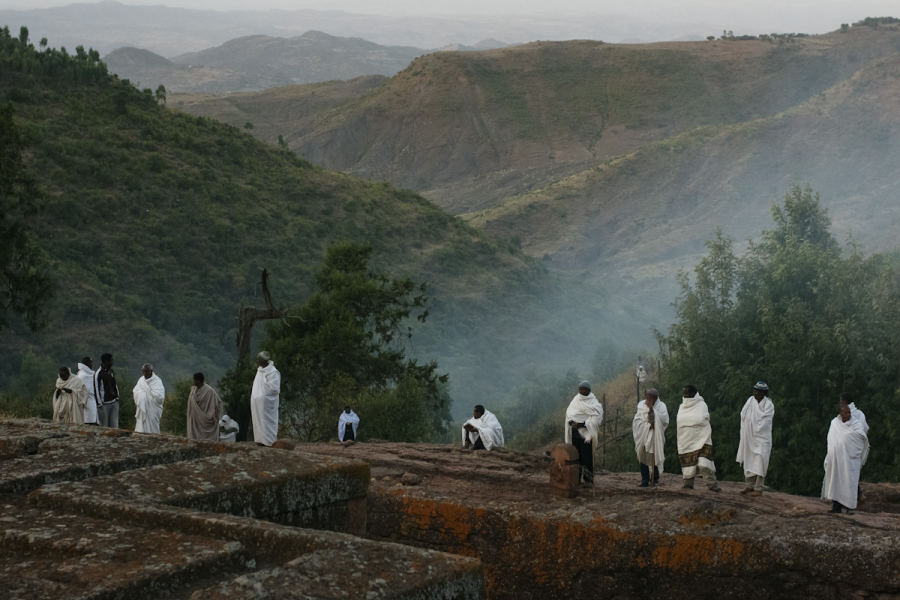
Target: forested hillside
(157,224)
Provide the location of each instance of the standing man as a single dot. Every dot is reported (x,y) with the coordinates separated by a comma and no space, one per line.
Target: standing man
(855,412)
(756,439)
(695,449)
(204,411)
(482,431)
(347,425)
(69,398)
(264,401)
(107,393)
(86,375)
(149,395)
(848,448)
(649,429)
(582,427)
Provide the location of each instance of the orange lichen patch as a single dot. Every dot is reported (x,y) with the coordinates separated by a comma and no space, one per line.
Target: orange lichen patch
(700,519)
(689,553)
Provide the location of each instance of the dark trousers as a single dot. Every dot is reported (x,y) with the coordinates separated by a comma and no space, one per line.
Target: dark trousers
(479,445)
(585,456)
(645,474)
(837,507)
(348,433)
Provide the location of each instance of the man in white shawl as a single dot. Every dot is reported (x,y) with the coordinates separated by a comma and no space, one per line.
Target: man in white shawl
(264,401)
(695,451)
(149,395)
(69,398)
(582,427)
(482,431)
(86,375)
(756,439)
(347,425)
(848,448)
(649,429)
(855,413)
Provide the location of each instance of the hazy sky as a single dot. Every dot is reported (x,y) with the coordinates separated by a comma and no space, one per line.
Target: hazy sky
(811,16)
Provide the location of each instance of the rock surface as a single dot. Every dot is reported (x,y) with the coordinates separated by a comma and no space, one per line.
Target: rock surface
(620,541)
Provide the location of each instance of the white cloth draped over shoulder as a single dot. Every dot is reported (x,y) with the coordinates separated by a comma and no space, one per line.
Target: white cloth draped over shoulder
(650,441)
(860,416)
(204,411)
(587,410)
(149,395)
(694,432)
(756,436)
(69,399)
(264,404)
(228,429)
(352,419)
(489,431)
(848,448)
(86,375)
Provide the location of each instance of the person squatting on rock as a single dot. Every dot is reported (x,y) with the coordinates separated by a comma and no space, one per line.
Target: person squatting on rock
(848,448)
(649,429)
(86,375)
(756,439)
(695,449)
(149,396)
(69,398)
(107,393)
(204,411)
(348,417)
(582,427)
(228,430)
(264,400)
(482,431)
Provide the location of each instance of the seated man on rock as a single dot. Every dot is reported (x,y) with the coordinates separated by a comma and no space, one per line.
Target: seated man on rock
(482,431)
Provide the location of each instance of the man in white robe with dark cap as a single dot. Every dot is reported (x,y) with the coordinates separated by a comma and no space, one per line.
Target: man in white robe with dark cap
(347,425)
(69,398)
(848,448)
(649,430)
(695,451)
(756,439)
(583,418)
(86,375)
(482,431)
(264,401)
(149,395)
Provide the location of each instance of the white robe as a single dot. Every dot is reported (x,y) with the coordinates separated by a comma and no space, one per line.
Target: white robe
(68,407)
(149,395)
(264,404)
(650,441)
(86,376)
(228,429)
(587,410)
(848,448)
(352,419)
(694,432)
(859,416)
(489,430)
(756,436)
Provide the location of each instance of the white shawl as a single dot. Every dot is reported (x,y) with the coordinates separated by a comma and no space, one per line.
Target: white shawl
(587,410)
(489,430)
(860,416)
(694,432)
(86,376)
(149,395)
(228,429)
(352,419)
(68,407)
(650,441)
(264,404)
(848,448)
(756,436)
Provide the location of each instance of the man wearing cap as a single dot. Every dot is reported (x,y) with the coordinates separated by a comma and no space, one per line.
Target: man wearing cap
(649,429)
(264,401)
(582,427)
(756,439)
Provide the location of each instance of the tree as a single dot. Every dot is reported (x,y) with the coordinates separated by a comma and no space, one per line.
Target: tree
(348,343)
(23,36)
(24,284)
(811,319)
(161,95)
(248,125)
(43,43)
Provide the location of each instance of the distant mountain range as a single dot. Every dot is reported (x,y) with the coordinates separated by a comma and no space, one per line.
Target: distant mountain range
(260,62)
(170,32)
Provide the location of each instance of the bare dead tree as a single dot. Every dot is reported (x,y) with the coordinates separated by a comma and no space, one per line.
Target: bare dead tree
(249,315)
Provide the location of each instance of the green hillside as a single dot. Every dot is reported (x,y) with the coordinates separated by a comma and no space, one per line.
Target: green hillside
(157,225)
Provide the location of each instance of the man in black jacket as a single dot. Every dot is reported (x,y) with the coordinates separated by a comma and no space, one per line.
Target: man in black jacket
(107,393)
